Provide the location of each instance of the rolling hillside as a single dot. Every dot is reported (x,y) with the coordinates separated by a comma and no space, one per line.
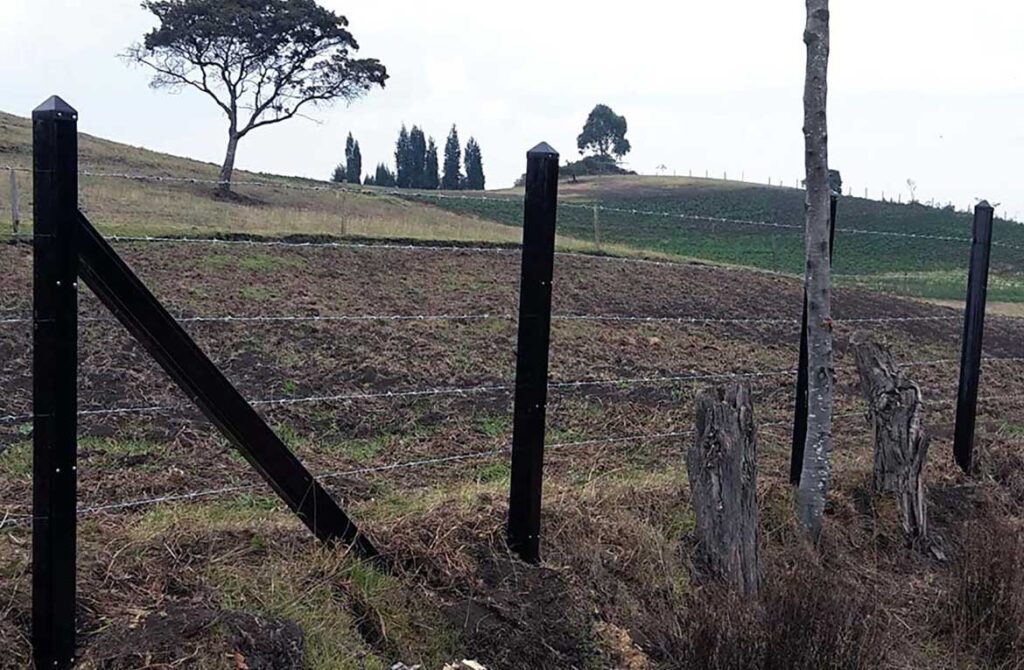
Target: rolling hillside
(650,213)
(665,217)
(287,206)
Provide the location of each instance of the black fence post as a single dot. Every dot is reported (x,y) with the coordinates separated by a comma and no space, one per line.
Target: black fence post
(974,327)
(54,382)
(532,351)
(796,462)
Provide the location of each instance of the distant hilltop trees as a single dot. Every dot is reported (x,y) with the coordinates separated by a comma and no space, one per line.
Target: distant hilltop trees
(602,144)
(350,170)
(417,165)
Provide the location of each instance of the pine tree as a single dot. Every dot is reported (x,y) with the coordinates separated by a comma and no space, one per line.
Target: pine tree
(368,180)
(384,176)
(402,166)
(339,174)
(474,166)
(430,177)
(354,163)
(417,158)
(452,157)
(349,144)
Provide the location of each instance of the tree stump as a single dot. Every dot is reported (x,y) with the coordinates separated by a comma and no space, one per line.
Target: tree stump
(901,446)
(722,468)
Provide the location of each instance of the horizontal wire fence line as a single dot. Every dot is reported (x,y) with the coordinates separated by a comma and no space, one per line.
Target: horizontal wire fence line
(12,520)
(499,388)
(442,391)
(412,194)
(489,388)
(9,520)
(628,318)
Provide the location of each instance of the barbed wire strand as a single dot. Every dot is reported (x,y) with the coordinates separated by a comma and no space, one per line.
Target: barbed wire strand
(9,520)
(611,318)
(504,387)
(12,520)
(515,200)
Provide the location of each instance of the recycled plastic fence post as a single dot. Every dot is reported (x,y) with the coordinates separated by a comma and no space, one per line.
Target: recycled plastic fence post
(796,462)
(974,327)
(532,352)
(54,382)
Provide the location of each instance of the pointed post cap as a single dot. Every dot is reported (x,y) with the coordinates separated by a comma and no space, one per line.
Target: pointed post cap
(55,107)
(542,149)
(983,205)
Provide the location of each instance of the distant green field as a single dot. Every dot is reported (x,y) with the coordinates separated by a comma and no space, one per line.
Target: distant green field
(918,266)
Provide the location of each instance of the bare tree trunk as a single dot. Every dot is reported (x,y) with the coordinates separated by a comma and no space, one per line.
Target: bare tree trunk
(721,465)
(228,168)
(901,447)
(814,481)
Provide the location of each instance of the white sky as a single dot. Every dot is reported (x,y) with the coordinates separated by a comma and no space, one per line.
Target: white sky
(925,89)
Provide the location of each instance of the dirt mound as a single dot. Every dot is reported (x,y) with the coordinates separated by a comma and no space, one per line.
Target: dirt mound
(182,635)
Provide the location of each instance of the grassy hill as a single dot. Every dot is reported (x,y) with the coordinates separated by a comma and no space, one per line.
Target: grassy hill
(288,206)
(921,266)
(639,216)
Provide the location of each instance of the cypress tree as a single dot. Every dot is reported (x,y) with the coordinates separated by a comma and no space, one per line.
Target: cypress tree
(430,177)
(384,176)
(474,166)
(349,146)
(417,158)
(452,157)
(402,159)
(368,180)
(354,164)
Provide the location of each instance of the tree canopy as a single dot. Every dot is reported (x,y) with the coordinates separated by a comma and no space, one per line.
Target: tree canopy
(604,133)
(260,61)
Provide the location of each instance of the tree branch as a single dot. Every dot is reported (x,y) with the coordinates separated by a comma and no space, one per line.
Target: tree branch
(181,78)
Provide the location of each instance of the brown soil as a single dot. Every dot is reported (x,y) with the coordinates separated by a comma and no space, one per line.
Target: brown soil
(500,608)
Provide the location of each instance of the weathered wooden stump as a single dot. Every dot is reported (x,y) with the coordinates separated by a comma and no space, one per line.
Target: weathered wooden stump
(722,468)
(901,446)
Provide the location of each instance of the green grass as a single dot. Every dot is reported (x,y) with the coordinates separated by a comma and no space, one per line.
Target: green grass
(493,473)
(494,426)
(781,249)
(16,460)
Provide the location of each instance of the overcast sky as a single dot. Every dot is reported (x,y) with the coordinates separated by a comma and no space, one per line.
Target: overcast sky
(929,90)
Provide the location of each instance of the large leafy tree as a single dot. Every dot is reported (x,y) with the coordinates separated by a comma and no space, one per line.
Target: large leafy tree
(474,166)
(451,178)
(604,133)
(260,61)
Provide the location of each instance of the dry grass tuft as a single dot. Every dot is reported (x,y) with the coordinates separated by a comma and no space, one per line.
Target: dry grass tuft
(985,614)
(807,618)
